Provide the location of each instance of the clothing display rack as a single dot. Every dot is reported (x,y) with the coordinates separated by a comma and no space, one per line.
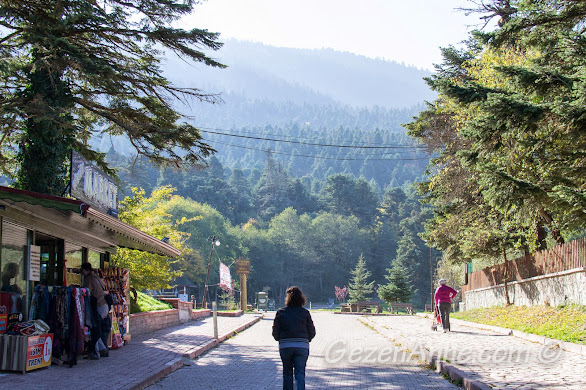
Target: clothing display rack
(118,283)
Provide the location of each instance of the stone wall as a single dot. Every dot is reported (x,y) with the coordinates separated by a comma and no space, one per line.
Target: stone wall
(141,323)
(552,289)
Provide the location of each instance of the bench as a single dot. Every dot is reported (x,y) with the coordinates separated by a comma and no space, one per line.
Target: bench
(396,305)
(368,306)
(359,307)
(428,307)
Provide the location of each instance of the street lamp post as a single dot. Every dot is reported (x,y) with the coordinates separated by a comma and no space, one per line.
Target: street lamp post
(215,242)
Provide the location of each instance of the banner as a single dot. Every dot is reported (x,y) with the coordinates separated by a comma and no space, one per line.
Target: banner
(225,277)
(39,351)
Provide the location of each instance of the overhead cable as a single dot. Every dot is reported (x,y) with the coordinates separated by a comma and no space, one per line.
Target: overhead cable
(322,157)
(311,143)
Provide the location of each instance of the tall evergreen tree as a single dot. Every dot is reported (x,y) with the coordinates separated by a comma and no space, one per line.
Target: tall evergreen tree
(272,190)
(399,287)
(359,289)
(74,68)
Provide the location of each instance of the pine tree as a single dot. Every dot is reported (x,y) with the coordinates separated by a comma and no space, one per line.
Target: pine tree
(358,288)
(74,68)
(399,287)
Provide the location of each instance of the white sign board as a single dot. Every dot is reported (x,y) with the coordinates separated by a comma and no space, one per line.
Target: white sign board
(225,277)
(34,265)
(92,186)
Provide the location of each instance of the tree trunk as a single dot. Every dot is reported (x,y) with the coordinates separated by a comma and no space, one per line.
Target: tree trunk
(541,236)
(506,279)
(555,232)
(49,134)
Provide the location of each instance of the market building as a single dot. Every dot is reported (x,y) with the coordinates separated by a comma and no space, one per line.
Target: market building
(44,240)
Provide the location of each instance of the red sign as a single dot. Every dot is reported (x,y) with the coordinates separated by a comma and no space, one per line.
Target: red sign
(39,351)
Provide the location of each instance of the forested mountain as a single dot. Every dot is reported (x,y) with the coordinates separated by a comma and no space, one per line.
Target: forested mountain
(299,76)
(313,168)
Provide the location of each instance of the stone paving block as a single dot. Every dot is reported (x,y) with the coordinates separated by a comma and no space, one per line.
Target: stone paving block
(131,367)
(492,358)
(250,360)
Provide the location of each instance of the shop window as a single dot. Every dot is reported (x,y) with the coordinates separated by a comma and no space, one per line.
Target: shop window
(94,259)
(13,266)
(73,260)
(52,270)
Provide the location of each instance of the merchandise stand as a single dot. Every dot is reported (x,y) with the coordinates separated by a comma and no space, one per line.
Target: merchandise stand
(118,283)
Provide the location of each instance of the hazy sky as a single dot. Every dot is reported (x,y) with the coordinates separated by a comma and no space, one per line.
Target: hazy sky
(409,31)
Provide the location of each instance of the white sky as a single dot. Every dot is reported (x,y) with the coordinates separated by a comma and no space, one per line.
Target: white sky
(408,31)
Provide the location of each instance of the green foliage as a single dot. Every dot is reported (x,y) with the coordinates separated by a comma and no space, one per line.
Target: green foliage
(359,289)
(346,196)
(508,130)
(564,323)
(399,287)
(315,248)
(227,300)
(73,67)
(146,303)
(150,271)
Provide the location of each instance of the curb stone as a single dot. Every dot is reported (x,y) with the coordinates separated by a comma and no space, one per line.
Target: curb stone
(441,367)
(177,363)
(565,345)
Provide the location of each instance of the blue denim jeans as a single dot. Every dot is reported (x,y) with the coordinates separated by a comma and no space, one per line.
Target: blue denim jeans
(294,359)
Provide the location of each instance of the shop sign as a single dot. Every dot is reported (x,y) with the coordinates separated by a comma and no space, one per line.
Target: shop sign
(92,186)
(34,265)
(39,351)
(242,267)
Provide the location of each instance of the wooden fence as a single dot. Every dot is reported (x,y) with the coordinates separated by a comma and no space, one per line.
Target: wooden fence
(559,258)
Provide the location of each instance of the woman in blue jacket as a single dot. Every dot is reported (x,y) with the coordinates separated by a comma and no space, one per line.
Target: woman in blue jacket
(293,329)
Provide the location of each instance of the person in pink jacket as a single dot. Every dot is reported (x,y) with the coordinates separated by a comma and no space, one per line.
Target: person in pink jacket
(443,299)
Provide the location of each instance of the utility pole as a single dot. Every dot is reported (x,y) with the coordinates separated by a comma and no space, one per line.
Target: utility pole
(431,276)
(215,242)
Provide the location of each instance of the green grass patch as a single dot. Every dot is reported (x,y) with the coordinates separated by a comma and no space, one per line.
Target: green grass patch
(145,303)
(566,323)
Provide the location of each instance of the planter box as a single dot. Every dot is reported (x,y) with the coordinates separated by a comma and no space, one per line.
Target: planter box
(236,313)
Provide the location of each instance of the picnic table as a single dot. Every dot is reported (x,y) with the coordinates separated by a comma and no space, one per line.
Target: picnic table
(360,307)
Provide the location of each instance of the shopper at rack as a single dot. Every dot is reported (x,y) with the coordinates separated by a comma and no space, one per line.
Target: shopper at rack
(99,309)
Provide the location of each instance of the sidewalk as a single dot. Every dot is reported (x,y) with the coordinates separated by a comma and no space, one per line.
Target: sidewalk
(485,356)
(146,359)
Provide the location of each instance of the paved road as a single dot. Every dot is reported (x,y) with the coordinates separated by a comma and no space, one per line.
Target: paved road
(500,361)
(127,366)
(344,355)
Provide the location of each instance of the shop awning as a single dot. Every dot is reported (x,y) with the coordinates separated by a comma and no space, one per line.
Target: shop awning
(75,221)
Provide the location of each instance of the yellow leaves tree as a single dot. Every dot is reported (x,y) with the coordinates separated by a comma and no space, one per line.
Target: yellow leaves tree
(148,270)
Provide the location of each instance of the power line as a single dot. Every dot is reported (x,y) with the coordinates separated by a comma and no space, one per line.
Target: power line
(322,157)
(311,143)
(280,136)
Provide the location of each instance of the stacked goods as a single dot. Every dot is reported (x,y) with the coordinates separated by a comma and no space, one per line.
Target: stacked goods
(118,284)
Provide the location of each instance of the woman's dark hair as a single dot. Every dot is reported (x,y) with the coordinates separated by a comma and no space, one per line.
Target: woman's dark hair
(87,267)
(294,297)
